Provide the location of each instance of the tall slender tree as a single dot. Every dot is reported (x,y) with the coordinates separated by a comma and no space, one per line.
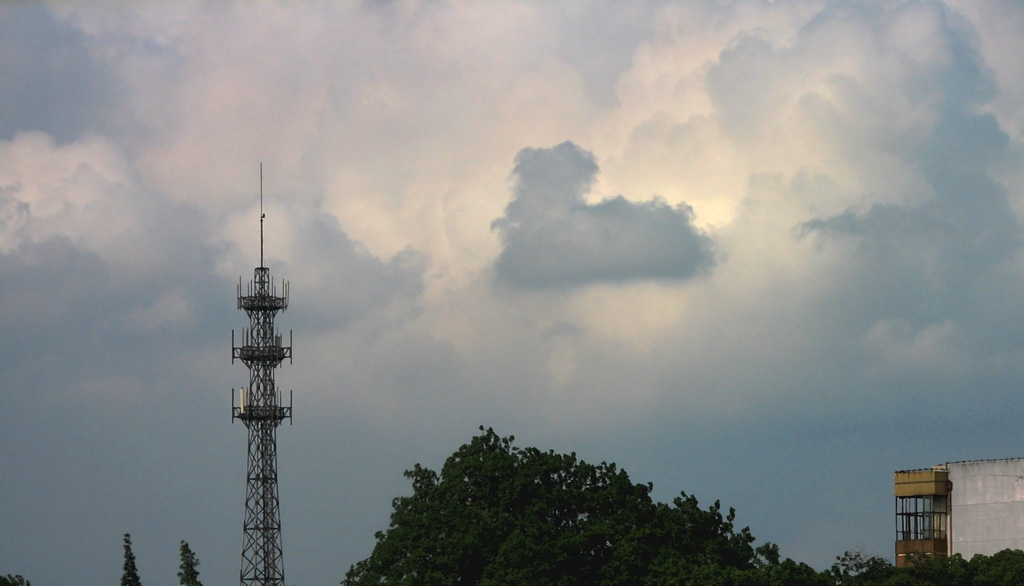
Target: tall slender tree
(130,577)
(188,574)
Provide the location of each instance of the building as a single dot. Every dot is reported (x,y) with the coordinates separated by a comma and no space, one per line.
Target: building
(966,508)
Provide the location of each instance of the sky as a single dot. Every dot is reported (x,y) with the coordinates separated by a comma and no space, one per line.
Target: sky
(763,252)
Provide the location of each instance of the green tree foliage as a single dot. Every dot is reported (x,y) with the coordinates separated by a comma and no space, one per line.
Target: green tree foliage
(499,515)
(14,580)
(1005,568)
(855,568)
(502,515)
(938,570)
(188,575)
(130,576)
(1001,569)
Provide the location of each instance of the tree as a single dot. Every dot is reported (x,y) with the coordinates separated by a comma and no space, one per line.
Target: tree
(188,574)
(14,580)
(1005,568)
(939,570)
(1000,569)
(130,577)
(855,568)
(501,515)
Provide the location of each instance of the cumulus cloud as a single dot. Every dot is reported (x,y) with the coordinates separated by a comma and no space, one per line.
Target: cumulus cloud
(51,81)
(86,242)
(336,279)
(855,169)
(551,237)
(925,253)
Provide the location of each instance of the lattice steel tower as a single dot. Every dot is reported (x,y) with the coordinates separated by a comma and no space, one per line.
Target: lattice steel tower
(261,409)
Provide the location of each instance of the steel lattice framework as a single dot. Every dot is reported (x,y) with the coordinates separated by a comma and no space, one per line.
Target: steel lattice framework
(261,409)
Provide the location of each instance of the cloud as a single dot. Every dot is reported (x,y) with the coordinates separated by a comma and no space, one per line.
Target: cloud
(552,238)
(90,251)
(336,280)
(855,170)
(927,250)
(51,81)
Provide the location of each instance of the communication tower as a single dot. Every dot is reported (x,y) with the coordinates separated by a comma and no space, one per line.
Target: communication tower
(261,409)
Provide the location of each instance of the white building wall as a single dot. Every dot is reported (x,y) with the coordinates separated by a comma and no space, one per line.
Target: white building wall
(987,506)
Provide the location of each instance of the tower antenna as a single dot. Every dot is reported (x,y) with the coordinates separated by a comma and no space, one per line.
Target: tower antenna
(262,215)
(261,408)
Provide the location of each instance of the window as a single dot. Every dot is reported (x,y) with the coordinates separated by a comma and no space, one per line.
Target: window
(921,517)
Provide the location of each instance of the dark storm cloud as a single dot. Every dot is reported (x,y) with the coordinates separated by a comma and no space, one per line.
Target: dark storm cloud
(552,238)
(50,81)
(969,215)
(339,282)
(925,261)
